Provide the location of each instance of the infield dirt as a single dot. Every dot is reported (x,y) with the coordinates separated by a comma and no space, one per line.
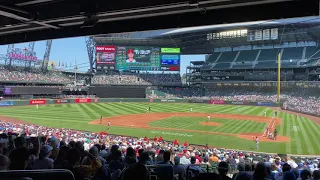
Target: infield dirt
(143,120)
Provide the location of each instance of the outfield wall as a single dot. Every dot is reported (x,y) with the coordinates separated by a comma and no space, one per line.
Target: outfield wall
(104,100)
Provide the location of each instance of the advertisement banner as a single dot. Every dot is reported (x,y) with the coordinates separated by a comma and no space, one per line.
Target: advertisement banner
(6,103)
(217,102)
(198,101)
(265,104)
(7,91)
(239,103)
(83,100)
(168,100)
(106,54)
(61,101)
(38,101)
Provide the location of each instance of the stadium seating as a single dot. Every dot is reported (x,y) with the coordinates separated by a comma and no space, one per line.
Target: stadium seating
(268,54)
(138,79)
(222,65)
(20,76)
(249,55)
(129,157)
(227,56)
(292,53)
(213,57)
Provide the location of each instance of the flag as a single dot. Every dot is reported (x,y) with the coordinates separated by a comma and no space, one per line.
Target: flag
(59,63)
(62,64)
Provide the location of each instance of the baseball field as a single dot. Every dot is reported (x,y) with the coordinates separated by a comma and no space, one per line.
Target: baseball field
(230,126)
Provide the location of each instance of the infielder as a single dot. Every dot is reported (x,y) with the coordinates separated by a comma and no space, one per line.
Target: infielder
(190,109)
(37,106)
(100,119)
(109,124)
(209,117)
(265,113)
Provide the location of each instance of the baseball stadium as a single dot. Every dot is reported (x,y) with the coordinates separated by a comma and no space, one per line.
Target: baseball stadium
(201,99)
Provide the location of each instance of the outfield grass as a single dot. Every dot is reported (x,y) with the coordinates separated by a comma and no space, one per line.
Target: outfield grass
(303,132)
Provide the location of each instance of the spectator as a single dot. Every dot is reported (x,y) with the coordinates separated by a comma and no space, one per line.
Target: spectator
(179,169)
(136,171)
(289,176)
(260,172)
(19,158)
(61,161)
(166,158)
(305,174)
(80,172)
(193,167)
(316,175)
(116,164)
(4,163)
(43,162)
(130,157)
(223,169)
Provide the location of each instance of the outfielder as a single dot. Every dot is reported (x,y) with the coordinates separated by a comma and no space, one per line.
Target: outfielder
(37,106)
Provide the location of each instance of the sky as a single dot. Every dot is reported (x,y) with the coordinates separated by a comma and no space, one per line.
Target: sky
(69,50)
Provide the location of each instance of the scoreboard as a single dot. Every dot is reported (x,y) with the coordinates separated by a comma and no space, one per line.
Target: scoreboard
(137,58)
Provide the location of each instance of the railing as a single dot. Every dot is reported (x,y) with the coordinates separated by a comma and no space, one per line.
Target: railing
(46,174)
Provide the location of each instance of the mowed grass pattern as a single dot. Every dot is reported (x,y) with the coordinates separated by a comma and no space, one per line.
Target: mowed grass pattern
(303,132)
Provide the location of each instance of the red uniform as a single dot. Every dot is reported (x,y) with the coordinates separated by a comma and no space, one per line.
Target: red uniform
(185,144)
(155,139)
(145,139)
(175,142)
(160,139)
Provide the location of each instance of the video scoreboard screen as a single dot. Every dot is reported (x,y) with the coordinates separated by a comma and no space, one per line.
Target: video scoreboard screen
(137,58)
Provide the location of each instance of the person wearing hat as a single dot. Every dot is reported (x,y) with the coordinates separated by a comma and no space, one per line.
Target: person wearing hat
(130,56)
(178,168)
(43,162)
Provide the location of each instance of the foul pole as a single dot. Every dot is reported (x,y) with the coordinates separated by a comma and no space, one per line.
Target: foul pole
(279,74)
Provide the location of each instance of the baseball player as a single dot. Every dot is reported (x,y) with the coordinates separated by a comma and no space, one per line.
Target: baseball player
(100,119)
(37,106)
(265,113)
(190,109)
(109,124)
(209,117)
(257,142)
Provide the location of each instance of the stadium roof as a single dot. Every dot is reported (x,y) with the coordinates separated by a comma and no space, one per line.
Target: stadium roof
(32,20)
(193,40)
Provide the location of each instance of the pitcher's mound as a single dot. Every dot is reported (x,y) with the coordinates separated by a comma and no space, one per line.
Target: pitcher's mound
(210,124)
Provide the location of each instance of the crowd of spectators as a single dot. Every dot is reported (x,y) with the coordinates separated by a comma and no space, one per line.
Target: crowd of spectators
(77,96)
(299,99)
(138,79)
(23,76)
(102,156)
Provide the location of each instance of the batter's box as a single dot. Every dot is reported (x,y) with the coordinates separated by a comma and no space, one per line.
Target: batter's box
(295,128)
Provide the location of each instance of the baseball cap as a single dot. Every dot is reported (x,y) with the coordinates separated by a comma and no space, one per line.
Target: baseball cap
(176,160)
(46,149)
(130,51)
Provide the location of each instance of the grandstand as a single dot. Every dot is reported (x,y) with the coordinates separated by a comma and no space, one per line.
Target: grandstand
(236,72)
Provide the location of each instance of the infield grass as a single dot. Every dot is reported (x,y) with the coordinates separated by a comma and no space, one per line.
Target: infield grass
(303,132)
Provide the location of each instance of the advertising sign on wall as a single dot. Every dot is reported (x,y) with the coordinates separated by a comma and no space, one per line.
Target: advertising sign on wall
(38,101)
(6,103)
(83,100)
(265,104)
(217,102)
(60,101)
